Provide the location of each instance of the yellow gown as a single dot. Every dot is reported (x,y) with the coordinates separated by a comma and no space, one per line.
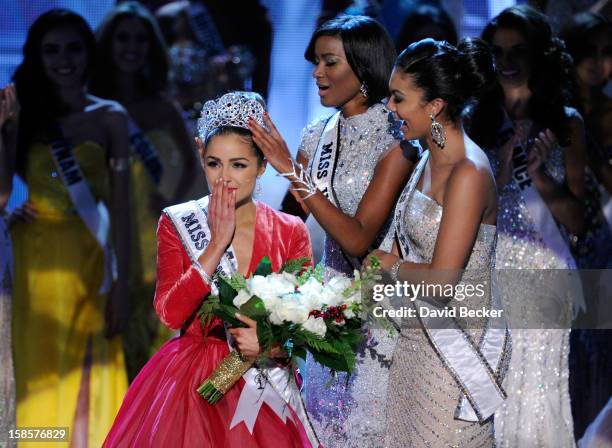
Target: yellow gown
(57,310)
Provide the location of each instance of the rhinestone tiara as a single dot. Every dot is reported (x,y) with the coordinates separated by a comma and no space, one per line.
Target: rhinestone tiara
(232,109)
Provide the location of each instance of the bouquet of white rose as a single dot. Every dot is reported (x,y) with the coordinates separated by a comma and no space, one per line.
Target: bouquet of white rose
(294,309)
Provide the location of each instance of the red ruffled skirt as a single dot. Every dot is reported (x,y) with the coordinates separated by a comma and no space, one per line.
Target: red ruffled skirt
(162,407)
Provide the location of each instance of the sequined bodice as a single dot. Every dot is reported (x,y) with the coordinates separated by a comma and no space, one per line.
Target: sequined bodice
(46,190)
(520,244)
(364,140)
(418,221)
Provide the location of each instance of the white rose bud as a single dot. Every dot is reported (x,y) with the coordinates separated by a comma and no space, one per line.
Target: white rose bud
(315,325)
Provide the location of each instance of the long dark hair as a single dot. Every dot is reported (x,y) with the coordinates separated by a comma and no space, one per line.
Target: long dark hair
(369,51)
(154,76)
(458,75)
(425,16)
(549,81)
(40,104)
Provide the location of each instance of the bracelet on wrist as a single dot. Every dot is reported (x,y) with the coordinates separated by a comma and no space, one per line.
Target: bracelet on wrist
(302,181)
(394,270)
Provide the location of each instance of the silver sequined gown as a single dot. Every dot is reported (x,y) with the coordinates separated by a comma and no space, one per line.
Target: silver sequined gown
(537,412)
(422,394)
(351,414)
(7,377)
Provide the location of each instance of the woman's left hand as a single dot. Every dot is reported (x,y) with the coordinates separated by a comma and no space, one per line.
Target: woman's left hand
(246,338)
(386,259)
(272,145)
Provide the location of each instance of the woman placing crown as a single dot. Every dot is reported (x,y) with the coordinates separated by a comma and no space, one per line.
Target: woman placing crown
(226,231)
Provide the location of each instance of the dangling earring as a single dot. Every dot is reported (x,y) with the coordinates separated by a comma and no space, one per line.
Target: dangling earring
(364,90)
(258,188)
(437,132)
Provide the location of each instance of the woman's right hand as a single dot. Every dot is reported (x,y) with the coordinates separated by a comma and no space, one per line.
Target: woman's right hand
(9,106)
(25,213)
(222,214)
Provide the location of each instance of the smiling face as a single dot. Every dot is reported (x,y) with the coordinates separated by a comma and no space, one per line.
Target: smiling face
(511,53)
(233,158)
(595,68)
(64,56)
(130,44)
(409,105)
(338,85)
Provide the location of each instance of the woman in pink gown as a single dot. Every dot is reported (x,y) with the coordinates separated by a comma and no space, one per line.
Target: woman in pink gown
(162,407)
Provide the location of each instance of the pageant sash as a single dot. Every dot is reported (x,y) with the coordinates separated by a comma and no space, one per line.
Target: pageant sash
(547,227)
(323,164)
(93,213)
(474,368)
(146,152)
(262,385)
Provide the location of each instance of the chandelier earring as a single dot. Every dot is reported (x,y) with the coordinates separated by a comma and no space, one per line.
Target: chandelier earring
(364,90)
(437,132)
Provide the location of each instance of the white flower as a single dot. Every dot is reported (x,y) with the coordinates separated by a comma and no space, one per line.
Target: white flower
(273,285)
(242,298)
(339,283)
(289,309)
(315,325)
(348,313)
(311,294)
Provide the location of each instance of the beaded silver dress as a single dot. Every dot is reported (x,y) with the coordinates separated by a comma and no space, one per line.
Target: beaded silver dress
(7,377)
(349,413)
(422,395)
(537,412)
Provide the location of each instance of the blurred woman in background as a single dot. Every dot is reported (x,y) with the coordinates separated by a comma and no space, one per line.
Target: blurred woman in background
(69,307)
(537,150)
(132,68)
(9,111)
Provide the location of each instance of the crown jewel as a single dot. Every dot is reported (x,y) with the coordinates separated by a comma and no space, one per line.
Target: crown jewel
(232,109)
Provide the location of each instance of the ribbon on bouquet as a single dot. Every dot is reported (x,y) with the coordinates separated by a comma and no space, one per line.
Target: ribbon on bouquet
(270,385)
(273,387)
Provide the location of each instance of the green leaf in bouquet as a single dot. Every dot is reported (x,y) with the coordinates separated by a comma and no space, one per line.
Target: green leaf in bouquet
(237,281)
(318,343)
(333,362)
(226,291)
(207,310)
(254,308)
(295,265)
(228,314)
(265,334)
(264,268)
(316,272)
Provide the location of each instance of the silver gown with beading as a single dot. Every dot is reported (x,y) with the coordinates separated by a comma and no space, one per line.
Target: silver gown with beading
(349,413)
(422,394)
(537,412)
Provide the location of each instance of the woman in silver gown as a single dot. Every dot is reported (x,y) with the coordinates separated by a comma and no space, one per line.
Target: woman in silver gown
(537,150)
(355,172)
(445,377)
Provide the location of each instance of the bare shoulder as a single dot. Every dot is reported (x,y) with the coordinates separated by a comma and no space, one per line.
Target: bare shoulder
(109,112)
(472,174)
